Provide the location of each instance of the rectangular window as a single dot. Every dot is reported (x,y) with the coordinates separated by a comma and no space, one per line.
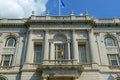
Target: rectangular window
(6,60)
(37,52)
(113,59)
(82,53)
(60,51)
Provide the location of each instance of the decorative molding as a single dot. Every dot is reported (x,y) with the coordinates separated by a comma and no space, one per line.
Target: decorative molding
(97,33)
(37,40)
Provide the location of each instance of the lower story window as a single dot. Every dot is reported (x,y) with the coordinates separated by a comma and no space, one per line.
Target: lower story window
(6,60)
(113,59)
(37,52)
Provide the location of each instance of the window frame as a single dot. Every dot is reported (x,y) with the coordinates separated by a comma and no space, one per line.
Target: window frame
(110,60)
(10,60)
(8,40)
(37,52)
(107,39)
(81,54)
(57,56)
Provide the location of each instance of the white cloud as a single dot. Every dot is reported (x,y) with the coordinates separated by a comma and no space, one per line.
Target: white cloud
(21,8)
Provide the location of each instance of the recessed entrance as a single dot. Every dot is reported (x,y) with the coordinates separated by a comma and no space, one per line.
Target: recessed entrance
(60,78)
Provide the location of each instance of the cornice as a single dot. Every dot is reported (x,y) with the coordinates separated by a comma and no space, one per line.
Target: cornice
(60,21)
(17,25)
(106,24)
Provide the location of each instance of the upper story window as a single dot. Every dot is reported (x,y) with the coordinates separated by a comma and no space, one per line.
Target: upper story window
(109,41)
(10,42)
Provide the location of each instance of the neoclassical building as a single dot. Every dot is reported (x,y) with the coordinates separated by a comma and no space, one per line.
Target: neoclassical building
(60,48)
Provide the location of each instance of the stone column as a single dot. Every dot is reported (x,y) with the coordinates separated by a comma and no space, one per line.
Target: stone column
(68,50)
(74,46)
(91,42)
(46,46)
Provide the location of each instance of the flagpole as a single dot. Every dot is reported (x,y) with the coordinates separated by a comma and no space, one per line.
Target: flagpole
(59,8)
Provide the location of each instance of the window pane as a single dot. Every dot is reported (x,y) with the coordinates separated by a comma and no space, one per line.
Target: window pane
(109,42)
(37,53)
(11,42)
(58,49)
(82,54)
(114,62)
(6,63)
(7,60)
(113,59)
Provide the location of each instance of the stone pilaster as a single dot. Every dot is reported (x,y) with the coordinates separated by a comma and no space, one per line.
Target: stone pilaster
(52,53)
(46,46)
(91,42)
(28,51)
(74,46)
(68,44)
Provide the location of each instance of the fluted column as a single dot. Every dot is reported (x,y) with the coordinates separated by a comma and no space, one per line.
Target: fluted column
(46,45)
(75,46)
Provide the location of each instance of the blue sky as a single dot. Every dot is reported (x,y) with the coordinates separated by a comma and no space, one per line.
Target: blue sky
(96,8)
(23,8)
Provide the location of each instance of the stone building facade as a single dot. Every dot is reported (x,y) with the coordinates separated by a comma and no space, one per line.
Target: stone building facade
(60,48)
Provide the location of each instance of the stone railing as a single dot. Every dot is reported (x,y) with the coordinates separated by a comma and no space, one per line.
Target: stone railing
(60,61)
(106,20)
(13,20)
(59,18)
(115,67)
(6,67)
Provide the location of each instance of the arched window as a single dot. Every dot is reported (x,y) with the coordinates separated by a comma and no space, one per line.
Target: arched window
(10,42)
(109,41)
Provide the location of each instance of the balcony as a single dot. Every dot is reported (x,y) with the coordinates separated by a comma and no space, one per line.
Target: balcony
(59,64)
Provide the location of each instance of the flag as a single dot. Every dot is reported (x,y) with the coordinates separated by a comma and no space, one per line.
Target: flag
(62,4)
